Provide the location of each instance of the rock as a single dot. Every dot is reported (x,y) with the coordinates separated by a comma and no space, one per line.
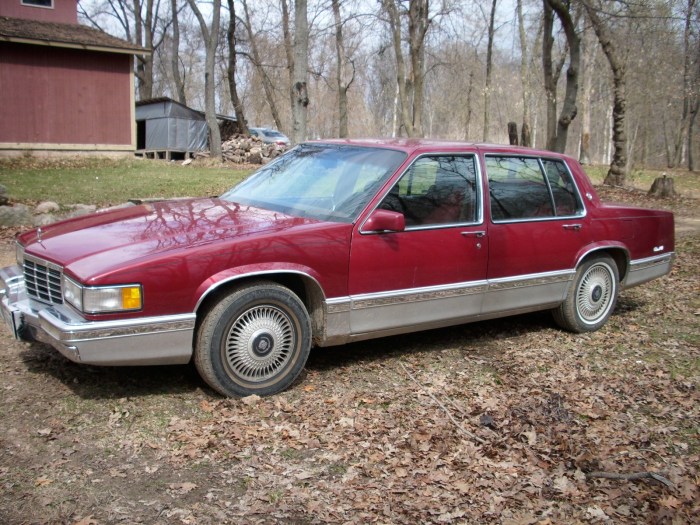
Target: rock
(77,210)
(46,207)
(44,218)
(255,158)
(187,162)
(16,215)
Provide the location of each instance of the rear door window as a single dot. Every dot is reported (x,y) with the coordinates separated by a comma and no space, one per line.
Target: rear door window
(523,188)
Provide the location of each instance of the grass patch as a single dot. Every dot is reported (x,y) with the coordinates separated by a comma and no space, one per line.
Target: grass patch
(107,182)
(686,182)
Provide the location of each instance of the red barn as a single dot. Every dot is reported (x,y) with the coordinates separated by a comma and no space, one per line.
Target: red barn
(65,87)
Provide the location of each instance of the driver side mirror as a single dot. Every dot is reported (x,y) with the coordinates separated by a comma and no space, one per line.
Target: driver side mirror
(384,221)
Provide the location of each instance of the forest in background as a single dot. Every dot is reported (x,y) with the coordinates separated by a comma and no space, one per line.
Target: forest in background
(613,82)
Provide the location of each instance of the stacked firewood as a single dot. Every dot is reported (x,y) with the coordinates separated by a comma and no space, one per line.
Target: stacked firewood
(241,149)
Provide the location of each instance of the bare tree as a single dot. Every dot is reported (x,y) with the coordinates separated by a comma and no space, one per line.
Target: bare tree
(299,87)
(343,64)
(525,137)
(411,84)
(210,34)
(687,87)
(587,63)
(558,133)
(256,59)
(618,168)
(694,107)
(175,54)
(489,66)
(139,19)
(231,69)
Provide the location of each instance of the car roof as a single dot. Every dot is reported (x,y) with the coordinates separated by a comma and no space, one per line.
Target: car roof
(414,145)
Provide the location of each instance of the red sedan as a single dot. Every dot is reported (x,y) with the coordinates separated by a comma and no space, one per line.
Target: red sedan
(335,241)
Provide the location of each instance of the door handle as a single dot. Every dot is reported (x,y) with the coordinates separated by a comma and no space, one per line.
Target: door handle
(575,227)
(478,234)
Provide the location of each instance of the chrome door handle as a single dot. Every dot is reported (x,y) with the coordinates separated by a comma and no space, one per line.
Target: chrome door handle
(475,234)
(572,227)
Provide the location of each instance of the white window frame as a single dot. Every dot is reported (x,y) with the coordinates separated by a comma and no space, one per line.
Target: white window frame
(28,3)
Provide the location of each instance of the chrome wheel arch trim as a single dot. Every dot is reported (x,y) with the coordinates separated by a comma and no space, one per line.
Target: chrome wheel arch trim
(606,248)
(263,273)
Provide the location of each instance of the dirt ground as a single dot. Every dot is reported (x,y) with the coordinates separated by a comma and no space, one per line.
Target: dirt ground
(508,421)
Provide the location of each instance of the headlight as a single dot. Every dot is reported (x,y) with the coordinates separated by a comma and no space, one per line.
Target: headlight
(102,299)
(19,254)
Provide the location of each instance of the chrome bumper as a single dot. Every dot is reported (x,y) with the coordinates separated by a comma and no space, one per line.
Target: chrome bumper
(142,341)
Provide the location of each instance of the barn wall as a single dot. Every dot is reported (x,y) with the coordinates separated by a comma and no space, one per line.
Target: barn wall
(65,96)
(63,11)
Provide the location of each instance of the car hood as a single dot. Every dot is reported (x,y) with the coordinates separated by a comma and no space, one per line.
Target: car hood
(110,239)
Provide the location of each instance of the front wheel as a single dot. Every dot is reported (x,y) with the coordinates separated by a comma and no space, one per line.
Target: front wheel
(591,297)
(254,341)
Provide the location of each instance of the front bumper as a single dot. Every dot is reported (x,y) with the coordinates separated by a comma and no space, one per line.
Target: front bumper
(140,341)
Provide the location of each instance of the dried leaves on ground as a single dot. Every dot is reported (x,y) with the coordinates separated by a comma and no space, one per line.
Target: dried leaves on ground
(508,421)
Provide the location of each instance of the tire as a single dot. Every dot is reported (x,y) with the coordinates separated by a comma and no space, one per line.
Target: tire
(254,341)
(591,296)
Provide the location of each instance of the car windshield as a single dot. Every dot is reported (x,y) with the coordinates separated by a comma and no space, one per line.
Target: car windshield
(319,181)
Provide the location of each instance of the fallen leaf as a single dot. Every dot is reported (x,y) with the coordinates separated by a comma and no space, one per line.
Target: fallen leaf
(41,482)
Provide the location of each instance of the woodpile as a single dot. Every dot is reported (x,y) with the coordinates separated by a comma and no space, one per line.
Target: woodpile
(241,149)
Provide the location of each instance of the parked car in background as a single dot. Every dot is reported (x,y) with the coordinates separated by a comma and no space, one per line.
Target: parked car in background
(335,241)
(271,136)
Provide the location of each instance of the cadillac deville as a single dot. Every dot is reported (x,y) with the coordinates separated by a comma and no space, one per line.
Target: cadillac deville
(335,241)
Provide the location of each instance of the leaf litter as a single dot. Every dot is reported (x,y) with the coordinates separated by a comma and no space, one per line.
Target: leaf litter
(509,421)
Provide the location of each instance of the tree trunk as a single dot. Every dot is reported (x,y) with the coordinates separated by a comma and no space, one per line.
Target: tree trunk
(395,25)
(174,56)
(550,79)
(257,63)
(210,35)
(587,62)
(524,76)
(568,110)
(342,63)
(618,168)
(469,111)
(489,65)
(526,137)
(299,89)
(231,70)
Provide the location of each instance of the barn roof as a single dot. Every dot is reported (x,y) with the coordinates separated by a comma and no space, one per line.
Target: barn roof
(64,35)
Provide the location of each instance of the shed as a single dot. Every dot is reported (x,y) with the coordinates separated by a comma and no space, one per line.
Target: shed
(164,127)
(66,88)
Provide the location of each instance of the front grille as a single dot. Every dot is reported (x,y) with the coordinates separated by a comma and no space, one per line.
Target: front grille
(43,280)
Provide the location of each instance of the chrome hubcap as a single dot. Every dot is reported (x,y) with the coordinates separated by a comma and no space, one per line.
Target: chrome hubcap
(594,296)
(260,343)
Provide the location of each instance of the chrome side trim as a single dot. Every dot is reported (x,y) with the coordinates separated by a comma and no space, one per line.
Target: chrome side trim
(644,270)
(536,279)
(413,295)
(369,315)
(640,264)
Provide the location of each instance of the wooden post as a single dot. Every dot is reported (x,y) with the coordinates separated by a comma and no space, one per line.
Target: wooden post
(513,133)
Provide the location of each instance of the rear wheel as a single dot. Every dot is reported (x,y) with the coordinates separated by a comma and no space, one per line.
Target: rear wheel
(591,297)
(254,341)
